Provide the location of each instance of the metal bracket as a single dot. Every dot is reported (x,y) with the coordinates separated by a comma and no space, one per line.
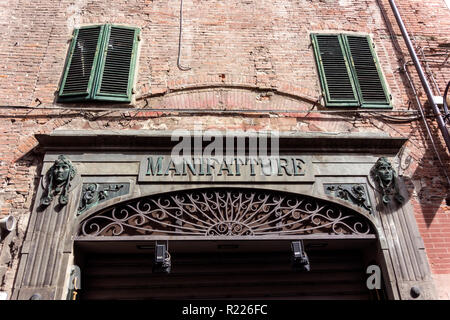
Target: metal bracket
(162,263)
(300,260)
(74,283)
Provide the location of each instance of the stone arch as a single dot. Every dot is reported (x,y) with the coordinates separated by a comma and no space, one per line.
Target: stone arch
(227,212)
(234,91)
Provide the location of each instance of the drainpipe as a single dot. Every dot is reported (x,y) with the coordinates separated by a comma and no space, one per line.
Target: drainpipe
(447,113)
(421,74)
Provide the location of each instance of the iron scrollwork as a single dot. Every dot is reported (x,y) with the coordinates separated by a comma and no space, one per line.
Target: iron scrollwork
(59,177)
(355,193)
(225,212)
(386,177)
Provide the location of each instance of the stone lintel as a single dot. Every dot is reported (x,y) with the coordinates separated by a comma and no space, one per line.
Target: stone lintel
(135,140)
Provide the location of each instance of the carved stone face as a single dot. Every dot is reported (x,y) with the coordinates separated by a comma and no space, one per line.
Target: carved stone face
(385,172)
(61,172)
(59,177)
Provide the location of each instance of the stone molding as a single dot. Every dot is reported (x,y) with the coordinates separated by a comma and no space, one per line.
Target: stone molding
(66,140)
(48,248)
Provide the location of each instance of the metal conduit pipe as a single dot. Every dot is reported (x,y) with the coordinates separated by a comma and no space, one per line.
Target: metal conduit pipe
(428,70)
(421,74)
(447,113)
(419,104)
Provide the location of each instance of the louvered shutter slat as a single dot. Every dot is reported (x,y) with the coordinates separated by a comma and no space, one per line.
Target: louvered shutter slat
(368,76)
(81,65)
(116,77)
(334,71)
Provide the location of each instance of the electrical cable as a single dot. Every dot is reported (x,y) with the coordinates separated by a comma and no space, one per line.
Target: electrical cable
(177,110)
(397,119)
(179,40)
(428,70)
(422,113)
(411,84)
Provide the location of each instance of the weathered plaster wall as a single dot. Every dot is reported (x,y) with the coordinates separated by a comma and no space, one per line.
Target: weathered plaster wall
(250,55)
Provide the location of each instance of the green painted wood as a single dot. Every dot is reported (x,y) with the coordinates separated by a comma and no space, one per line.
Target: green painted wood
(334,71)
(117,65)
(101,64)
(372,90)
(349,71)
(81,64)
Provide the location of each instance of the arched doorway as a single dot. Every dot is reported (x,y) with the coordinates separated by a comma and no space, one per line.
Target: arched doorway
(226,243)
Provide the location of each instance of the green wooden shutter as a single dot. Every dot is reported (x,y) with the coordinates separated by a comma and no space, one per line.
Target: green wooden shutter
(81,63)
(334,70)
(116,68)
(367,72)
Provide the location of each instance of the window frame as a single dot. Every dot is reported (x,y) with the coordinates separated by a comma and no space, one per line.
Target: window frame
(79,95)
(93,89)
(351,72)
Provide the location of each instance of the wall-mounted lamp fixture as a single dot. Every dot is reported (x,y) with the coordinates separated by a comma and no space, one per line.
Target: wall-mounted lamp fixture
(300,260)
(162,263)
(7,224)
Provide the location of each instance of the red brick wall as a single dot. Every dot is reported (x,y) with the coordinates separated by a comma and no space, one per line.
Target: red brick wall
(239,52)
(428,24)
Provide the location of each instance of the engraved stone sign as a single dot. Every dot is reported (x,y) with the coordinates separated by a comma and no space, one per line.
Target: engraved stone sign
(286,168)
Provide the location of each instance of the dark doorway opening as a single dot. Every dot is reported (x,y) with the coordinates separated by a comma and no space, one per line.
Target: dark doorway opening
(223,270)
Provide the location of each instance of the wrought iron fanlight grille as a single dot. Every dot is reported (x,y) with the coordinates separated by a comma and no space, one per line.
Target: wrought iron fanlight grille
(226,212)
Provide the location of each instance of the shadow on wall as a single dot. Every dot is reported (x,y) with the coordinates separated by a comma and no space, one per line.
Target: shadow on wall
(433,191)
(428,184)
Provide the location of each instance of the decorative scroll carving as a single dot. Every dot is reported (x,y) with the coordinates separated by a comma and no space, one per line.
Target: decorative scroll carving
(355,193)
(386,177)
(225,212)
(59,177)
(94,193)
